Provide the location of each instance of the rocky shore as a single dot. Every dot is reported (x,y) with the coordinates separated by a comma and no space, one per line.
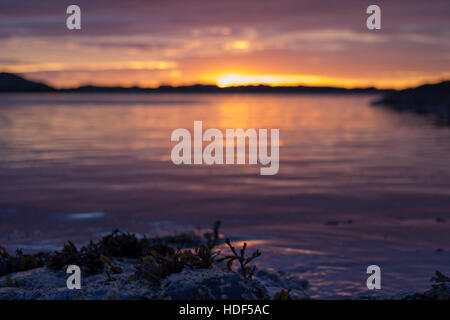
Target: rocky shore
(180,267)
(124,266)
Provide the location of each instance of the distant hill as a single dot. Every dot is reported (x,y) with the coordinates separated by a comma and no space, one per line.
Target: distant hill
(200,88)
(428,98)
(10,82)
(14,83)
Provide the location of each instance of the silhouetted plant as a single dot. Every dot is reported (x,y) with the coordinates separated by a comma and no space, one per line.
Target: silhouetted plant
(212,238)
(246,269)
(156,267)
(19,261)
(88,258)
(110,268)
(439,277)
(162,263)
(282,295)
(158,256)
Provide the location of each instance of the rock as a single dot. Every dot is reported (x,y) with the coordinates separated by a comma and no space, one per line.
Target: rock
(274,281)
(211,284)
(44,283)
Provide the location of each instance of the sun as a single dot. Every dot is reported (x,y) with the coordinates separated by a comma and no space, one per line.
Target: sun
(238,79)
(235,79)
(229,80)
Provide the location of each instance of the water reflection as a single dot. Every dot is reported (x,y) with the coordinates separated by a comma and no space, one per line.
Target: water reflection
(340,160)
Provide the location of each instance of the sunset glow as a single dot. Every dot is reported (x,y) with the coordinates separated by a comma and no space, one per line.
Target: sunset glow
(249,43)
(237,151)
(234,79)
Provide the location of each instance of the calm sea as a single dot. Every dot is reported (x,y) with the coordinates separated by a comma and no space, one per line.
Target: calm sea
(357,185)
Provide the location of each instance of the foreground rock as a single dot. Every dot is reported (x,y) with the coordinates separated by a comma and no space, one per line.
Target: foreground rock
(124,266)
(216,283)
(212,284)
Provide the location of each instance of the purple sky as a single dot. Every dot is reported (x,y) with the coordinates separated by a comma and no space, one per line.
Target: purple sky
(290,41)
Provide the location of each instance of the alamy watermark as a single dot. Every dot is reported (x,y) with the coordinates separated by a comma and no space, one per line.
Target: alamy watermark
(73,22)
(374,280)
(74,280)
(373,21)
(186,152)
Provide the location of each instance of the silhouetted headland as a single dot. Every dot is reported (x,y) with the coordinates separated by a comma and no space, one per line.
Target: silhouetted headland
(425,99)
(10,82)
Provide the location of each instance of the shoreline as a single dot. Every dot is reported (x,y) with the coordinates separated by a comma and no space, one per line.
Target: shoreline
(182,266)
(124,266)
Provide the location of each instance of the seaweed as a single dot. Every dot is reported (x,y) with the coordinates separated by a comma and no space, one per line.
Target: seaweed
(119,244)
(282,295)
(164,261)
(94,258)
(212,238)
(246,270)
(127,245)
(88,258)
(110,268)
(12,283)
(19,262)
(158,256)
(202,258)
(440,277)
(155,267)
(440,289)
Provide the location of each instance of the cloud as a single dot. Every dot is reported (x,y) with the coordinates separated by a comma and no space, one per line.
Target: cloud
(191,39)
(114,17)
(124,65)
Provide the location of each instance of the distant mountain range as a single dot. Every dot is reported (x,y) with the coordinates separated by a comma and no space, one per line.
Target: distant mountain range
(14,83)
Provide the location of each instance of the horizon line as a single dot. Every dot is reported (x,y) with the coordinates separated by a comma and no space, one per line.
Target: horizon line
(217,86)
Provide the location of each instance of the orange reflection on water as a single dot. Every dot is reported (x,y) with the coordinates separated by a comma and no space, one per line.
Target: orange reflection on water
(326,141)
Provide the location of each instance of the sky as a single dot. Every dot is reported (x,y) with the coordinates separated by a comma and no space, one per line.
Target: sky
(277,42)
